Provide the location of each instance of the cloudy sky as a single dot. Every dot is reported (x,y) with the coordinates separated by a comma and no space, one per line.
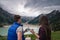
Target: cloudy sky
(30,7)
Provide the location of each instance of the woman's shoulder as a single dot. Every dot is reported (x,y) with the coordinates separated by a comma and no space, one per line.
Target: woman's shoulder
(42,28)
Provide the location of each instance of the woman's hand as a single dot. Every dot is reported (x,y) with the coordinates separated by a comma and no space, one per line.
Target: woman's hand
(32,31)
(25,30)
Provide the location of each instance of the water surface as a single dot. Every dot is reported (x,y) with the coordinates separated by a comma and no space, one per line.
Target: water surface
(4,30)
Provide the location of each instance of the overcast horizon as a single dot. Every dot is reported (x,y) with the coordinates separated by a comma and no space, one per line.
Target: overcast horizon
(31,8)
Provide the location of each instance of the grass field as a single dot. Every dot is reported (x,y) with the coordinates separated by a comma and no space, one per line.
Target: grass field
(54,36)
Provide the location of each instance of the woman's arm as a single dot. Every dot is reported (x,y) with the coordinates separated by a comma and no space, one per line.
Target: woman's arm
(32,31)
(36,35)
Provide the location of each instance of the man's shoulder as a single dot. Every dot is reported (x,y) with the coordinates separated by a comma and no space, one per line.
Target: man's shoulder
(19,29)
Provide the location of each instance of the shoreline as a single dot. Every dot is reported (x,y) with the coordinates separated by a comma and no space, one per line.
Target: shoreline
(29,25)
(6,26)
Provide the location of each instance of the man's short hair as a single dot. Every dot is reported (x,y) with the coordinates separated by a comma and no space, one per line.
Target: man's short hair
(16,17)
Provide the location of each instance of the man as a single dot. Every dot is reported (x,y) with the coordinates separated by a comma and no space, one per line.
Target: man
(16,32)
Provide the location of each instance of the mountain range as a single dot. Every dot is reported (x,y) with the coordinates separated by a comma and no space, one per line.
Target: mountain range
(7,18)
(53,17)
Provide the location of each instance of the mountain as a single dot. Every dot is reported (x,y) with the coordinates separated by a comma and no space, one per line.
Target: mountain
(54,15)
(54,19)
(35,20)
(26,19)
(5,17)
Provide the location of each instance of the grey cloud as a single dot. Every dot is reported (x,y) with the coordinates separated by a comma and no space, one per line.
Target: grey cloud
(42,3)
(10,5)
(40,6)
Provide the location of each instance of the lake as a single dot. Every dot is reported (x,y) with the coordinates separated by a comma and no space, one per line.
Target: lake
(4,30)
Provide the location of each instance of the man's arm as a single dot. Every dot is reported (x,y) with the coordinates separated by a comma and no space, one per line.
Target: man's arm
(19,35)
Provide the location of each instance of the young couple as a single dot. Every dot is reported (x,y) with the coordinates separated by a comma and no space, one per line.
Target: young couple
(16,32)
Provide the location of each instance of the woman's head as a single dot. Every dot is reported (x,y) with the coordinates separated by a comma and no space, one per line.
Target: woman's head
(17,18)
(43,20)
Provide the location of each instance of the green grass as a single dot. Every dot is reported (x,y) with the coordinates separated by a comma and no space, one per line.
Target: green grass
(54,36)
(3,38)
(32,36)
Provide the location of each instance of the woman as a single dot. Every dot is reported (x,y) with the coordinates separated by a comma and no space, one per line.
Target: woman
(44,30)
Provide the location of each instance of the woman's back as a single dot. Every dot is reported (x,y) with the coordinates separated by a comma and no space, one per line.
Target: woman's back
(45,33)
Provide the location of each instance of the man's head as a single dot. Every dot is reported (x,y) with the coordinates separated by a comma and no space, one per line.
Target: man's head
(17,18)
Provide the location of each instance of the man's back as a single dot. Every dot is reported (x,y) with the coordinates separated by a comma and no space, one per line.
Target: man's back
(12,32)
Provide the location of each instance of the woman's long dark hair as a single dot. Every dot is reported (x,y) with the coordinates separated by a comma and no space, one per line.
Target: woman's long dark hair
(44,22)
